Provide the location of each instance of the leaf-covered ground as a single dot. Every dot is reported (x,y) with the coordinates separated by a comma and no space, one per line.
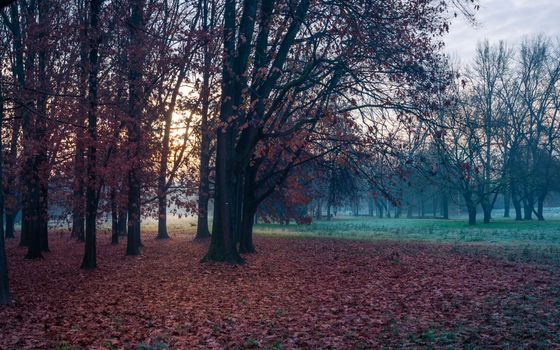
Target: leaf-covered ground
(295,293)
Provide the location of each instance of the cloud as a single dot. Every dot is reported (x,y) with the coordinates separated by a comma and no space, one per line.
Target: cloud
(507,20)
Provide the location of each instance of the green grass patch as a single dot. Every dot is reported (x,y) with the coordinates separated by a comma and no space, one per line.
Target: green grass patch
(525,241)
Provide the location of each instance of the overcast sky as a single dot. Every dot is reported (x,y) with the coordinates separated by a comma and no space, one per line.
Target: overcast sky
(508,20)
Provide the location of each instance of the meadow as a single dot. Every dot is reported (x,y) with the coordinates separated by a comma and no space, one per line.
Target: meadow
(524,241)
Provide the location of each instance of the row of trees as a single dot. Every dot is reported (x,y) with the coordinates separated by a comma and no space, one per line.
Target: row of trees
(493,134)
(500,132)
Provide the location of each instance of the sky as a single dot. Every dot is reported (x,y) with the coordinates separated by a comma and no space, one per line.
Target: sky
(508,20)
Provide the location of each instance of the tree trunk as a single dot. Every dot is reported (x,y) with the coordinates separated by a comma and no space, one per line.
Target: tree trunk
(19,73)
(122,222)
(5,297)
(506,204)
(90,253)
(42,166)
(249,210)
(223,242)
(540,207)
(371,205)
(471,207)
(134,126)
(79,200)
(472,214)
(246,230)
(162,175)
(78,211)
(487,211)
(31,180)
(444,206)
(114,217)
(162,217)
(516,202)
(202,231)
(528,207)
(318,213)
(133,227)
(44,218)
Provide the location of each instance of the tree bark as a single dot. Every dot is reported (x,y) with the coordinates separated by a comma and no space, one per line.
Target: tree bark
(471,207)
(444,206)
(31,211)
(516,202)
(162,174)
(90,253)
(134,126)
(19,73)
(487,211)
(472,214)
(528,207)
(540,208)
(5,297)
(114,217)
(78,211)
(122,222)
(202,231)
(42,159)
(371,205)
(507,198)
(249,212)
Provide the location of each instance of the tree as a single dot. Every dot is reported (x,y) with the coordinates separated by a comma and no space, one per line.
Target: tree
(135,57)
(90,255)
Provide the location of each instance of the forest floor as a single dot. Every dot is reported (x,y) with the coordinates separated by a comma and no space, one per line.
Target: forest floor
(294,293)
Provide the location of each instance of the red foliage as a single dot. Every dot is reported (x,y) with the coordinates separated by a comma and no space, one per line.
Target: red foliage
(301,294)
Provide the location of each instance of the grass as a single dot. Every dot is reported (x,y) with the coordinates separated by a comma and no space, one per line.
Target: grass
(428,230)
(522,241)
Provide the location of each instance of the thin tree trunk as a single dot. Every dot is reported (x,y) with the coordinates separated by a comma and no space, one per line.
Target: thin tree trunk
(122,222)
(134,126)
(487,211)
(5,297)
(371,205)
(90,253)
(78,205)
(19,73)
(540,208)
(379,209)
(472,214)
(516,202)
(444,206)
(162,175)
(32,197)
(114,217)
(78,194)
(507,198)
(471,207)
(202,231)
(40,127)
